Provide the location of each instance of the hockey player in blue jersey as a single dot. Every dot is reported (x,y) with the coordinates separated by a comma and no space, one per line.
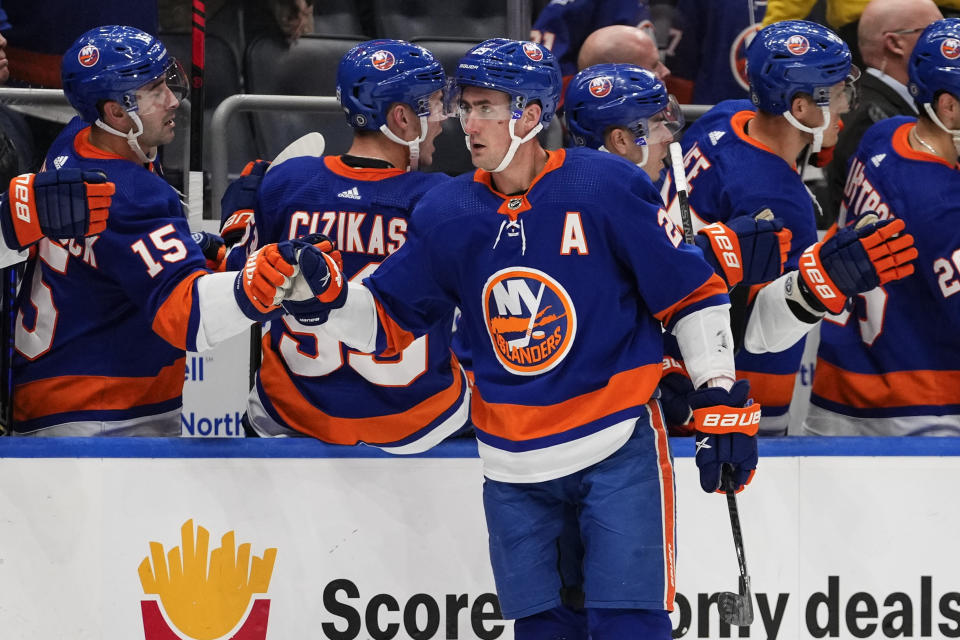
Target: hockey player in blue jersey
(309,382)
(103,323)
(627,111)
(565,267)
(739,161)
(882,369)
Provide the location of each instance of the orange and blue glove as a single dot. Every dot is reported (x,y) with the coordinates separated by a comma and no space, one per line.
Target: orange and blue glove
(747,249)
(262,283)
(726,425)
(854,260)
(59,204)
(319,286)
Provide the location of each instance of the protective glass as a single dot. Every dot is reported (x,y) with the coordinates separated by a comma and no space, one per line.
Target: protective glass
(433,106)
(843,95)
(663,126)
(153,96)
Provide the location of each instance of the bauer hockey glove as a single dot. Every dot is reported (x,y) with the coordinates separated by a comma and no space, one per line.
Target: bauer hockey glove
(60,204)
(239,201)
(854,260)
(726,424)
(212,247)
(748,249)
(262,284)
(319,285)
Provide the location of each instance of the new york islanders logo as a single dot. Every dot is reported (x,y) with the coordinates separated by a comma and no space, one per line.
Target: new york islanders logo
(88,56)
(530,319)
(600,87)
(382,60)
(950,48)
(738,55)
(534,52)
(797,45)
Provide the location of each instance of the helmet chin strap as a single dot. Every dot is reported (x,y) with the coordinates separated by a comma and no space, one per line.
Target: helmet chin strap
(955,133)
(131,136)
(515,143)
(816,131)
(414,144)
(644,154)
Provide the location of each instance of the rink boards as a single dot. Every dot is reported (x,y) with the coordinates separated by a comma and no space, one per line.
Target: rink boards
(845,538)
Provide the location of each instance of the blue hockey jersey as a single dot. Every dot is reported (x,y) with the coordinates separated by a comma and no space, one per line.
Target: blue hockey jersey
(708,44)
(562,292)
(730,174)
(311,382)
(891,365)
(103,322)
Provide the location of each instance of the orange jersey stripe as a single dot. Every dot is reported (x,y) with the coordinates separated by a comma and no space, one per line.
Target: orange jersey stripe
(770,389)
(398,338)
(713,286)
(173,316)
(525,422)
(880,390)
(669,503)
(299,413)
(91,393)
(367,174)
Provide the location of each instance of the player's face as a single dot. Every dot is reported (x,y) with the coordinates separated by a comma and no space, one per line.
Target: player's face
(485,117)
(157,103)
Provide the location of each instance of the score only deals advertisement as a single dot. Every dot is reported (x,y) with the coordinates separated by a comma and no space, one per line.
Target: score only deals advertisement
(257,540)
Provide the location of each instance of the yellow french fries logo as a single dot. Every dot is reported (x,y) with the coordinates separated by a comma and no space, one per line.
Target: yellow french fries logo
(205,594)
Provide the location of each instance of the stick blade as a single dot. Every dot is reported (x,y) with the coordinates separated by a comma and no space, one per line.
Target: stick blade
(735,609)
(311,144)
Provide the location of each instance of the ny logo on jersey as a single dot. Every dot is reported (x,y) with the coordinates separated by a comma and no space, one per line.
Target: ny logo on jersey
(530,319)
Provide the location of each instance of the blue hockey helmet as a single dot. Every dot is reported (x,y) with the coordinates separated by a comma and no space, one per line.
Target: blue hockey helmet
(112,63)
(621,95)
(377,73)
(525,71)
(935,62)
(791,57)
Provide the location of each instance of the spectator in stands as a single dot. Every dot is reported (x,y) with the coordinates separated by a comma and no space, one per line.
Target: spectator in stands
(623,44)
(16,140)
(842,15)
(563,27)
(283,19)
(887,34)
(708,48)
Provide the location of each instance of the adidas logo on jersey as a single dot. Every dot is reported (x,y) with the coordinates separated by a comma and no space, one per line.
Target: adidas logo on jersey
(877,159)
(715,136)
(59,161)
(351,193)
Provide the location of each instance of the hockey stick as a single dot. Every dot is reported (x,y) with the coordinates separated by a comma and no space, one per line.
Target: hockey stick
(195,175)
(8,317)
(311,144)
(680,182)
(736,608)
